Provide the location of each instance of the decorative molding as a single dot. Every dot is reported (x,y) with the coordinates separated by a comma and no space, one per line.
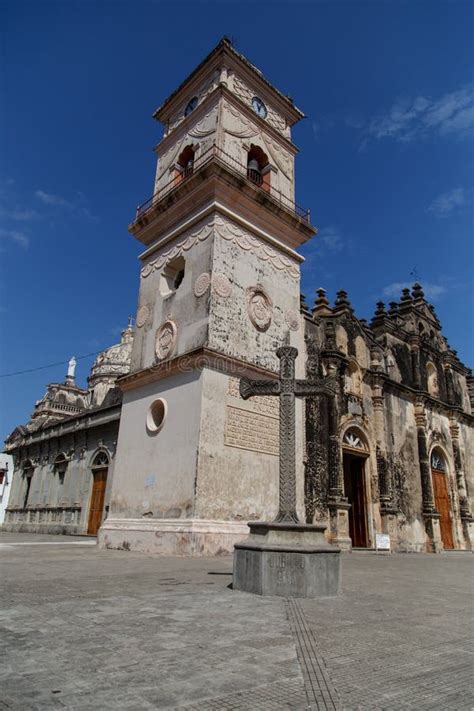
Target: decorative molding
(243,128)
(165,340)
(245,93)
(292,319)
(221,285)
(142,316)
(259,307)
(184,245)
(246,241)
(201,285)
(230,232)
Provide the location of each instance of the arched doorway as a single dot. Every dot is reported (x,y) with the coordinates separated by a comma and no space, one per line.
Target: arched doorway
(100,468)
(354,456)
(439,475)
(28,471)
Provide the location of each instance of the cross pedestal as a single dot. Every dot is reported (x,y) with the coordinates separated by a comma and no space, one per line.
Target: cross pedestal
(285,557)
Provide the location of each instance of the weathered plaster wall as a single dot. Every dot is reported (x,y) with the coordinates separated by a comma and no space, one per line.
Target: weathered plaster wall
(155,472)
(188,312)
(243,261)
(52,507)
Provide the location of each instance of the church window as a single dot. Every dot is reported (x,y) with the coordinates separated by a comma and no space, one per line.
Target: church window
(354,441)
(438,463)
(156,415)
(257,162)
(101,460)
(172,276)
(432,379)
(28,471)
(191,105)
(186,162)
(60,466)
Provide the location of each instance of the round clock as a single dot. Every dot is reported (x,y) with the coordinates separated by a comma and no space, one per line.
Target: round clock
(259,107)
(191,105)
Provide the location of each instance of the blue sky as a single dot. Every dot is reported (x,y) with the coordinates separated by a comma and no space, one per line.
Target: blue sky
(385,163)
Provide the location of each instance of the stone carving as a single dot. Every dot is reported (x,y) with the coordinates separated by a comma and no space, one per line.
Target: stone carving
(200,234)
(231,232)
(166,339)
(287,388)
(246,94)
(251,430)
(243,128)
(208,86)
(249,243)
(201,285)
(221,285)
(142,316)
(292,319)
(259,308)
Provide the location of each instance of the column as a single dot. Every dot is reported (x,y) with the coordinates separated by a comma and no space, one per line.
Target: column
(467,520)
(430,515)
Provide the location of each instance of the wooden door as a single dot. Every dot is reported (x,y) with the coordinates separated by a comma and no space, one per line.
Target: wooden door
(354,490)
(97,501)
(440,490)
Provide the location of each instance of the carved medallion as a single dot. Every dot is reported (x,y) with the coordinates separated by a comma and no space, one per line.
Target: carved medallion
(142,316)
(221,285)
(292,319)
(201,285)
(166,340)
(259,308)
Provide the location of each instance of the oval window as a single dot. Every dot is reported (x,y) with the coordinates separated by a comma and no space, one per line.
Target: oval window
(156,415)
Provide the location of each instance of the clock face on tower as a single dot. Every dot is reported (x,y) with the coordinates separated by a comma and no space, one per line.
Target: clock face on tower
(191,106)
(259,107)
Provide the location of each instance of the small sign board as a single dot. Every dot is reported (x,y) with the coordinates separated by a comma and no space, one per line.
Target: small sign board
(382,542)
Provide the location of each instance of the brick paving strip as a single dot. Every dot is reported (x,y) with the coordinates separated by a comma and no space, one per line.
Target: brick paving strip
(319,689)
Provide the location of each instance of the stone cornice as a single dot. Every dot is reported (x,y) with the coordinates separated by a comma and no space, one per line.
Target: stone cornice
(417,395)
(193,361)
(235,60)
(85,421)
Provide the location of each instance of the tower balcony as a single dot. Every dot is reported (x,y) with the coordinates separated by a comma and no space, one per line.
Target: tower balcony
(216,162)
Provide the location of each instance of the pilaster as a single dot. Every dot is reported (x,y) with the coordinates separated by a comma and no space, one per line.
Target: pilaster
(430,515)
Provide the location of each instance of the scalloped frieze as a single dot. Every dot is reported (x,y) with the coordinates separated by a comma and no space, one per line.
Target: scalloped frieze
(230,232)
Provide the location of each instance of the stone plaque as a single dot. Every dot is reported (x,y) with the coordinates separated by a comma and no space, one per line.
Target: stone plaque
(251,425)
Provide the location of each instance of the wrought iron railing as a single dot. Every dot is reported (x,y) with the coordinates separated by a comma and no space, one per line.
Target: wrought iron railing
(219,156)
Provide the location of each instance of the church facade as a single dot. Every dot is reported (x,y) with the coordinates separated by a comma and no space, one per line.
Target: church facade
(63,457)
(189,461)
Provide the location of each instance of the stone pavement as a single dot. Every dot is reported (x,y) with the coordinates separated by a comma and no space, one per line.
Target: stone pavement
(83,628)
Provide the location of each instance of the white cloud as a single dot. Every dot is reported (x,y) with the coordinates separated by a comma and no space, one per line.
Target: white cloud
(331,238)
(77,205)
(407,119)
(51,199)
(18,237)
(432,291)
(450,201)
(18,214)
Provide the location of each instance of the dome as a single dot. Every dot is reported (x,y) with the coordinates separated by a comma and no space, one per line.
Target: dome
(114,361)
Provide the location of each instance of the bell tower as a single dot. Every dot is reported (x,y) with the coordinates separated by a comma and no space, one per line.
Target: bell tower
(219,292)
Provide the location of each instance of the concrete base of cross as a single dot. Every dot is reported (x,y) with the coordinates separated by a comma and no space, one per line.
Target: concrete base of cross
(286,560)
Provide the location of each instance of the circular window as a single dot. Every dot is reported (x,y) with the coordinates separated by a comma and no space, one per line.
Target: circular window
(156,415)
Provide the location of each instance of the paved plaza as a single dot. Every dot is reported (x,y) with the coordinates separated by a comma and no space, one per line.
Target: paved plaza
(83,629)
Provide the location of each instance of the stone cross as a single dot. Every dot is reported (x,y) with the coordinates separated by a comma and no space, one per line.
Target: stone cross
(287,387)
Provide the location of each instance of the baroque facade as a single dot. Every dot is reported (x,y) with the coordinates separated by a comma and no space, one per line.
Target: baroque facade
(394,452)
(63,457)
(189,462)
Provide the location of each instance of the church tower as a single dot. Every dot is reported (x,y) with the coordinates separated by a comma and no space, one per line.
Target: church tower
(219,292)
